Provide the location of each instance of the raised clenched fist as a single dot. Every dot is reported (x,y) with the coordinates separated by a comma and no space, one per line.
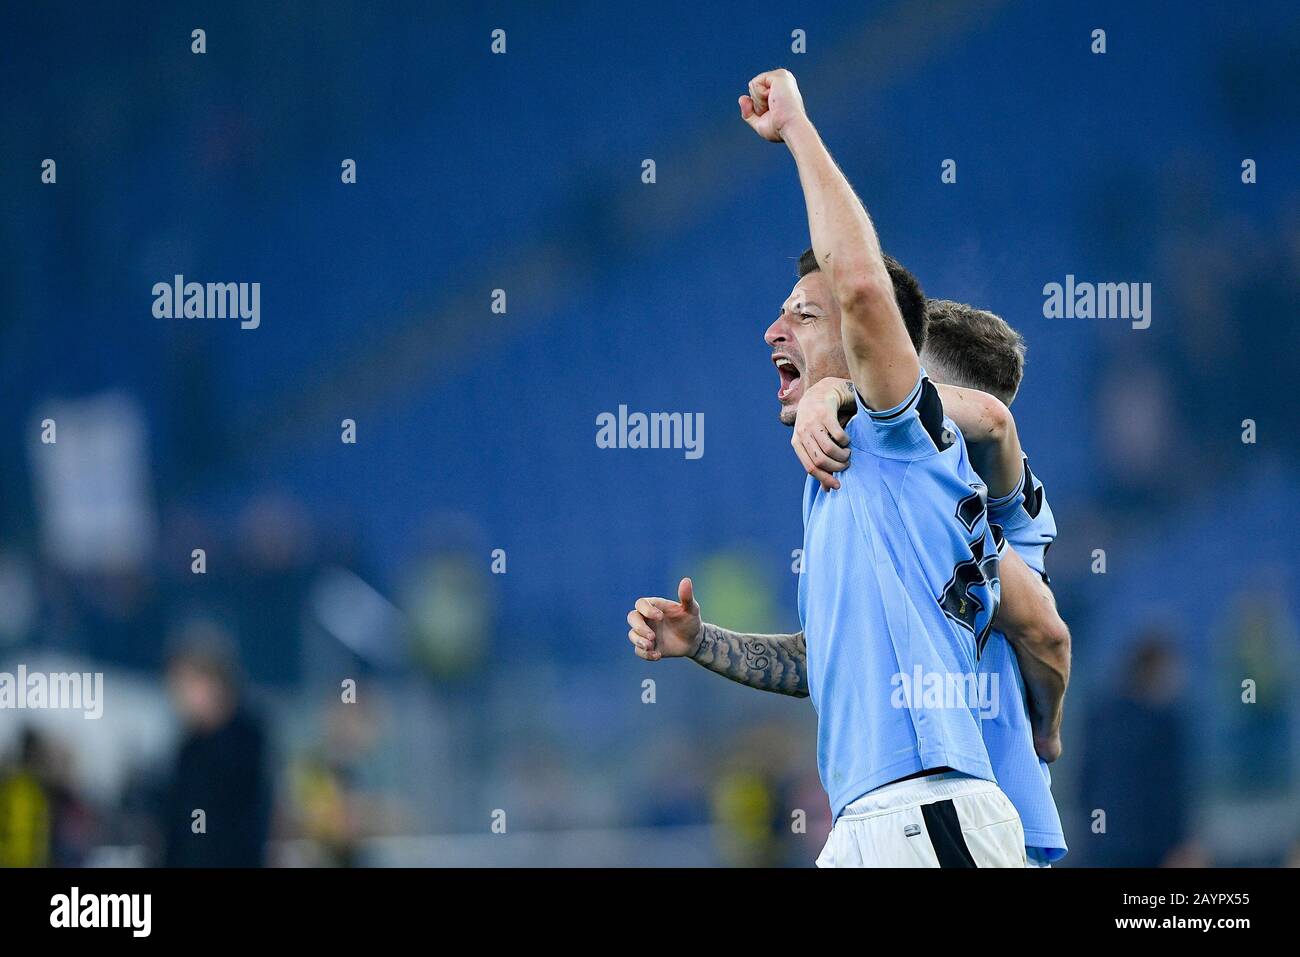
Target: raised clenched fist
(772,104)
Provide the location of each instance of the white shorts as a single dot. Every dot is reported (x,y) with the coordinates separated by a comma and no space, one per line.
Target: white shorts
(942,820)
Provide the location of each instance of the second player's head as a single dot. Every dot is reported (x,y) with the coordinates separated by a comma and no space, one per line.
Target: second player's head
(972,348)
(805,338)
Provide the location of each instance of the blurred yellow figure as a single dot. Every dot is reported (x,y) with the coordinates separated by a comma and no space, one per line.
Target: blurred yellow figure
(322,808)
(24,812)
(743,809)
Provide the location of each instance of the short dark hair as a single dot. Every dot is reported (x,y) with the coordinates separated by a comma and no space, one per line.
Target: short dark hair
(907,293)
(973,348)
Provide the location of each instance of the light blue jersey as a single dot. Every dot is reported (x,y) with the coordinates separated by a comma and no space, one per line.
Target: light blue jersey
(1025,519)
(897,595)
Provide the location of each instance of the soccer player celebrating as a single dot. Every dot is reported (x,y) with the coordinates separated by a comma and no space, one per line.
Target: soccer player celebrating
(900,583)
(977,350)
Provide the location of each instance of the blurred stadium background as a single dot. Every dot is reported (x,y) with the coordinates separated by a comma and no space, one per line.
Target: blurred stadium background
(479,692)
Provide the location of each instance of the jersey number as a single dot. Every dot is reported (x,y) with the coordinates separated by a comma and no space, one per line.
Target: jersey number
(969,597)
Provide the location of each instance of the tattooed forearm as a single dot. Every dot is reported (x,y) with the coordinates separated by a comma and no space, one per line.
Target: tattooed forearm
(776,663)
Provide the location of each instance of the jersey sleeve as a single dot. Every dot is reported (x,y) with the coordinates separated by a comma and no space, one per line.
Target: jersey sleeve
(913,429)
(1026,520)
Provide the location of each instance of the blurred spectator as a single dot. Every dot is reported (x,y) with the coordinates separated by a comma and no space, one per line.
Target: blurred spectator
(744,807)
(277,552)
(320,803)
(43,819)
(1256,663)
(1136,766)
(1135,420)
(751,813)
(803,844)
(26,809)
(341,792)
(220,767)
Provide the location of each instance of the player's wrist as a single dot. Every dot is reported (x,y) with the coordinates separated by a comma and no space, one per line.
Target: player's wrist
(797,132)
(823,390)
(845,396)
(830,396)
(697,642)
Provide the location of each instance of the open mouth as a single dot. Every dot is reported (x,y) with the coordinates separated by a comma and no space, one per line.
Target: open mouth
(789,373)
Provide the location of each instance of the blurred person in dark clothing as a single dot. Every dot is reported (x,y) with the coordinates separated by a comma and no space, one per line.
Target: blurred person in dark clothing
(1136,765)
(220,767)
